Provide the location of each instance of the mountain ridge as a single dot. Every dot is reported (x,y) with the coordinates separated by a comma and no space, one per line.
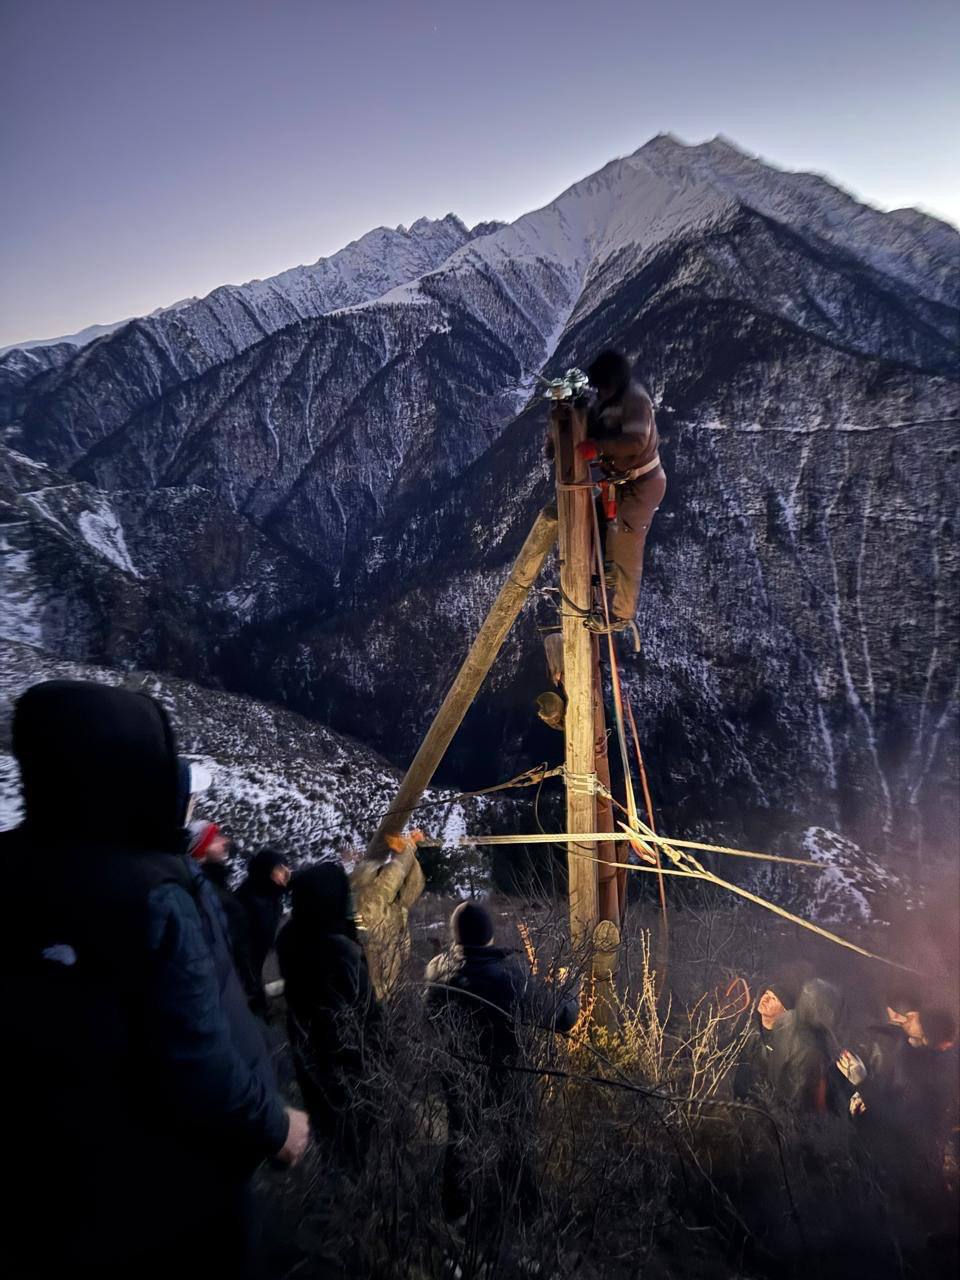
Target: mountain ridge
(321,519)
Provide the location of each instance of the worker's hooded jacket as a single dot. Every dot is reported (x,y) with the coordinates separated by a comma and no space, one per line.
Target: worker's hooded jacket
(138,1085)
(482,996)
(911,1091)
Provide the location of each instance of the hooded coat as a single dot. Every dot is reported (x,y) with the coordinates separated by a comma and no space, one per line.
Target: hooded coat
(139,1072)
(333,1017)
(384,893)
(625,430)
(478,997)
(802,1065)
(911,1091)
(262,902)
(487,994)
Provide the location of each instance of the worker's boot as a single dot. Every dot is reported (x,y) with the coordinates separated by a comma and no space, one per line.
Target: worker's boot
(597,623)
(599,626)
(551,709)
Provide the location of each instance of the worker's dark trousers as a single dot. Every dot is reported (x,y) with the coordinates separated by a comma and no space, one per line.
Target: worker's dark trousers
(626,538)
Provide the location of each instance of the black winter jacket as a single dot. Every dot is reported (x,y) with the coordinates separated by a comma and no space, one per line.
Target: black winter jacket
(333,1017)
(140,1075)
(218,874)
(485,994)
(752,1076)
(911,1091)
(262,903)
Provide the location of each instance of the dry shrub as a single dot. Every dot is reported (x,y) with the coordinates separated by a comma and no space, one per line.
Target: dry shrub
(610,1154)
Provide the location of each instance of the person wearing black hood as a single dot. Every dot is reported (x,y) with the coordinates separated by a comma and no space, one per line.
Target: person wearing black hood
(261,896)
(333,1017)
(479,997)
(805,1071)
(147,1073)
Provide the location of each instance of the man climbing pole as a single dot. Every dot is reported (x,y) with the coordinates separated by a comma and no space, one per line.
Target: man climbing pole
(623,441)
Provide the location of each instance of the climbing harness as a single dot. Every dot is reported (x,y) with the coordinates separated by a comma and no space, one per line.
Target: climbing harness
(638,472)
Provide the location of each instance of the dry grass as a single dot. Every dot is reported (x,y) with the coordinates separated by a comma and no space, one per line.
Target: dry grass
(641,1164)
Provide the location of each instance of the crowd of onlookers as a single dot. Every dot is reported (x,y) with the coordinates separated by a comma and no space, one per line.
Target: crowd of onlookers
(140,1079)
(895,1079)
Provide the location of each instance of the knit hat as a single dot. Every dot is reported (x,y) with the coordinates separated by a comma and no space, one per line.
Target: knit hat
(471,925)
(260,871)
(200,836)
(904,996)
(786,984)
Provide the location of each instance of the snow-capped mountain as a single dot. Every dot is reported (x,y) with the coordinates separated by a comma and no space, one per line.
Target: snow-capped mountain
(127,365)
(317,505)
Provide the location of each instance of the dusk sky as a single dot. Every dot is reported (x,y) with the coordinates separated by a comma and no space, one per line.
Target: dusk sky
(153,149)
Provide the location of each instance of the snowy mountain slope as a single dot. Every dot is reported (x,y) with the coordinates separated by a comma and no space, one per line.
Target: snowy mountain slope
(380,462)
(172,345)
(275,776)
(907,245)
(87,335)
(799,466)
(132,577)
(667,191)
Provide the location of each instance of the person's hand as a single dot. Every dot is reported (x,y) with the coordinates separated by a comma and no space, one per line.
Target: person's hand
(298,1138)
(587,450)
(852,1067)
(857,1105)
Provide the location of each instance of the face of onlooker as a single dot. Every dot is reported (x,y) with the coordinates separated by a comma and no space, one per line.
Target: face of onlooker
(770,1008)
(908,1022)
(218,850)
(913,1028)
(280,876)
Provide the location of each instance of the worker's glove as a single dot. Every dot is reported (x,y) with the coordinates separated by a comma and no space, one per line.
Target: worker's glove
(587,450)
(403,841)
(849,1065)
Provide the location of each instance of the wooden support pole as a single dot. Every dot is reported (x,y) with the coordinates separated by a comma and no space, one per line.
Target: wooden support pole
(576,560)
(466,683)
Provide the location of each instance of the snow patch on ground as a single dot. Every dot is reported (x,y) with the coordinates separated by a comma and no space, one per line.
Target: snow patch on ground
(849,889)
(21,603)
(103,532)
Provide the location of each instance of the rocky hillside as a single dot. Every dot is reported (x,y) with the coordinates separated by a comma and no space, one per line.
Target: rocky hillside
(275,777)
(319,512)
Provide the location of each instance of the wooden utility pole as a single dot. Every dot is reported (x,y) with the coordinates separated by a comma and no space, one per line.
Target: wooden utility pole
(466,683)
(576,542)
